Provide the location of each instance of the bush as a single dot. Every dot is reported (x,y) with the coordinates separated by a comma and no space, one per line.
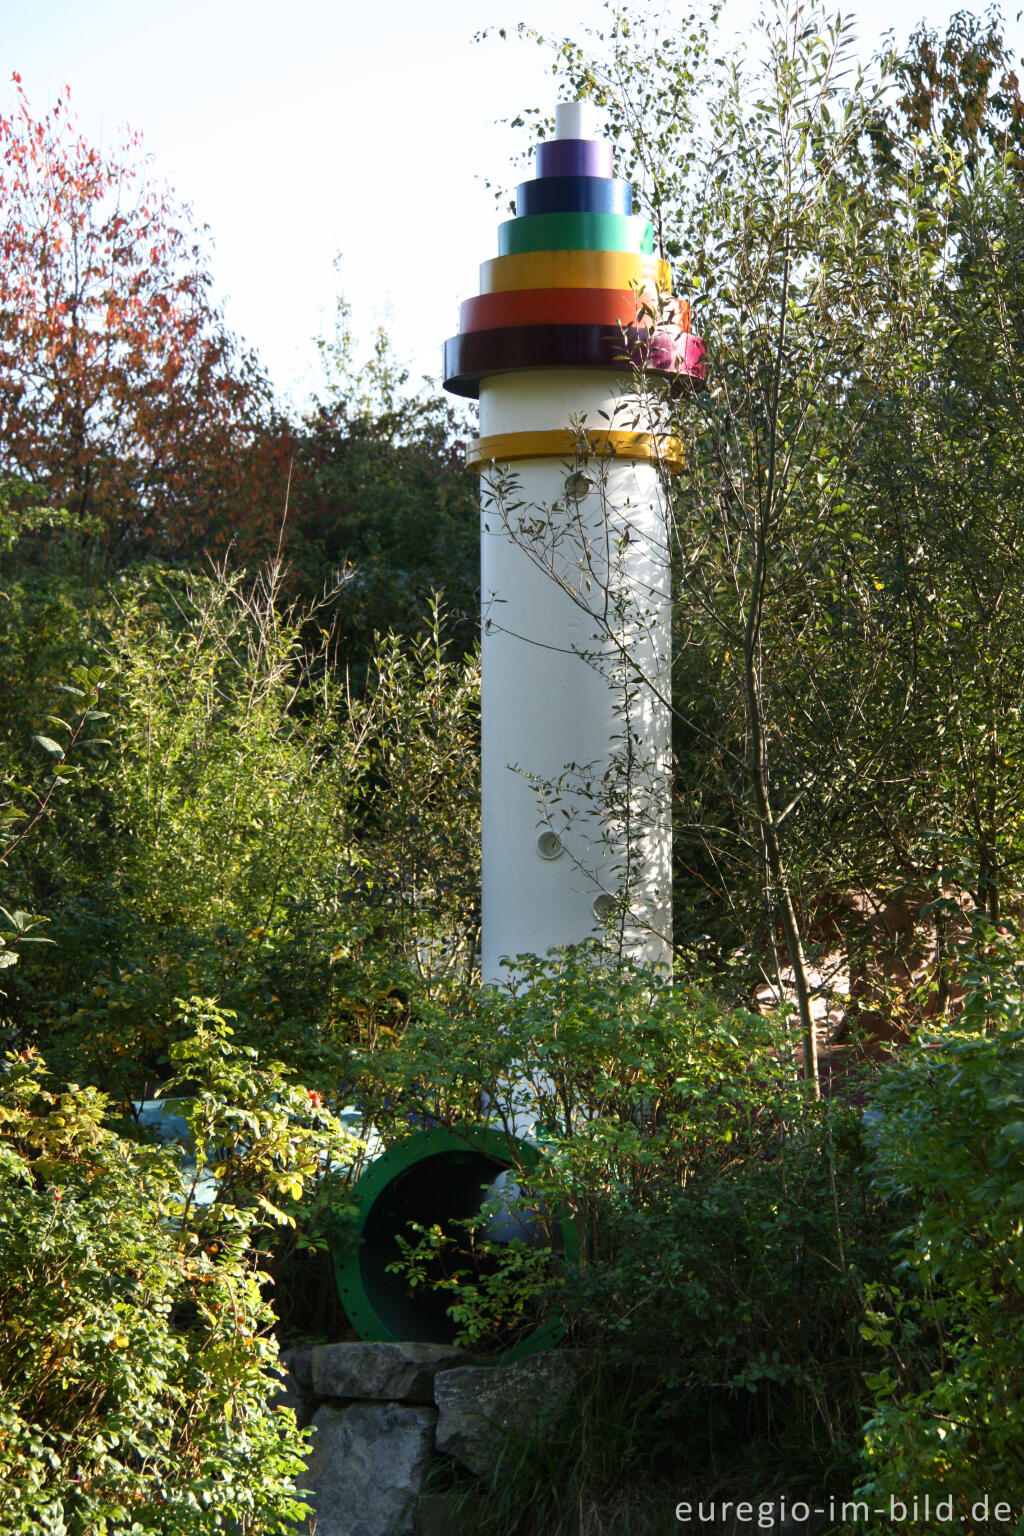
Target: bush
(137,1357)
(253,832)
(948,1412)
(726,1219)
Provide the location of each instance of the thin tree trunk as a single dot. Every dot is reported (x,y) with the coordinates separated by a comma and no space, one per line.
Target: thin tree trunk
(780,896)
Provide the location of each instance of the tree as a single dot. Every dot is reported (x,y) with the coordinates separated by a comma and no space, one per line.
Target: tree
(121,391)
(138,1367)
(807,314)
(846,551)
(944,463)
(961,91)
(381,492)
(948,1325)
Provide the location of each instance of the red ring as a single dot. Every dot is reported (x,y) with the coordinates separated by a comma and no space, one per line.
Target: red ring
(558,306)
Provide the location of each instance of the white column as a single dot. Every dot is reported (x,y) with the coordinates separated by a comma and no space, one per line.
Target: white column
(576,674)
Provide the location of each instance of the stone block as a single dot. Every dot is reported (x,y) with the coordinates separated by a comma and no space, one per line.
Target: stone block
(478,1404)
(298,1363)
(367,1468)
(297,1388)
(397,1372)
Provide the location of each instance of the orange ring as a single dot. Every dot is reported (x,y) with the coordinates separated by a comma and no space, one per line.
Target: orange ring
(559,306)
(507,447)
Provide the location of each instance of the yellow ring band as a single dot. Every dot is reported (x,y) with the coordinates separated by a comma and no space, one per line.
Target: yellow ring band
(507,447)
(573,269)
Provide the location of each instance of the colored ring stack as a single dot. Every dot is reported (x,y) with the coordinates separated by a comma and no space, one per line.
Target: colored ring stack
(576,284)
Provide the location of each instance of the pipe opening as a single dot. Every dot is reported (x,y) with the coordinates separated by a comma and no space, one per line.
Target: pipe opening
(440,1178)
(549,846)
(577,485)
(440,1190)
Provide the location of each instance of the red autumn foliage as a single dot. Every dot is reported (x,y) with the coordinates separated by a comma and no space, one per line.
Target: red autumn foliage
(121,390)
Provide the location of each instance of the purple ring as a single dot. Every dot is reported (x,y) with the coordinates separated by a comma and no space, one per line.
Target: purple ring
(574,157)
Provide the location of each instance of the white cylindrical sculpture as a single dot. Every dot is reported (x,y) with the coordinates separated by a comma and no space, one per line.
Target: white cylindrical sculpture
(569,353)
(575,607)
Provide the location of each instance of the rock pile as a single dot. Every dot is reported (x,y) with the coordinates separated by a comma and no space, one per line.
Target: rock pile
(383,1414)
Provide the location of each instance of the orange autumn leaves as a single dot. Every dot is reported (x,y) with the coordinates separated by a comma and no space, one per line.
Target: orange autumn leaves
(121,390)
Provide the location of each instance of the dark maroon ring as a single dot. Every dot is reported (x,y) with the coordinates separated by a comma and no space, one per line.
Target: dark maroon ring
(467,358)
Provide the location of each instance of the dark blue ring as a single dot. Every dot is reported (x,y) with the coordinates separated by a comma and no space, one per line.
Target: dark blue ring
(574,194)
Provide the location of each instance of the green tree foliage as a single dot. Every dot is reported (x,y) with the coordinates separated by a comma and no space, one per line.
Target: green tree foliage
(137,1360)
(942,469)
(948,1133)
(847,655)
(383,499)
(51,723)
(420,812)
(50,588)
(252,831)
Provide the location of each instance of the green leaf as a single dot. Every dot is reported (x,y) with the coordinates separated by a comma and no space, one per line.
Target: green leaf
(49,745)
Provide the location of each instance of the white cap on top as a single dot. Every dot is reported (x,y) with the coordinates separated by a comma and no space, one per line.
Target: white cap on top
(575,120)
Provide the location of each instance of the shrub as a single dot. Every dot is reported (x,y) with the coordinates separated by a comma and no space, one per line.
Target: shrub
(137,1358)
(254,832)
(726,1221)
(948,1413)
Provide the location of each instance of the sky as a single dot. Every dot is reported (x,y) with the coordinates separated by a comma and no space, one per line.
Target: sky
(327,131)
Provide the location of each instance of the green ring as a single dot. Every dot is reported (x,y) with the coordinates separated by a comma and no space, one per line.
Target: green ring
(576,232)
(383,1171)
